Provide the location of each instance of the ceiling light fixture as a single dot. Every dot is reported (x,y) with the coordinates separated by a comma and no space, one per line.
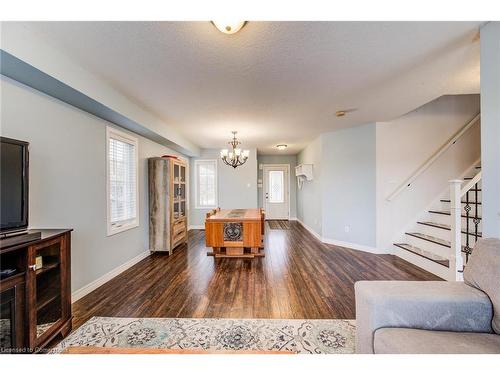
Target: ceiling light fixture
(343,112)
(229,27)
(235,157)
(281,147)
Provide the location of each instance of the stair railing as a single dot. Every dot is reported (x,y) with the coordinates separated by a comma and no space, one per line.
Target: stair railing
(441,150)
(457,192)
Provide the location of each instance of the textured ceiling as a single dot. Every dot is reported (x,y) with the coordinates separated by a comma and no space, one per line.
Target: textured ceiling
(274,82)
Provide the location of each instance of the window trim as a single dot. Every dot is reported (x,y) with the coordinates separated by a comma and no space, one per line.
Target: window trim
(132,223)
(196,184)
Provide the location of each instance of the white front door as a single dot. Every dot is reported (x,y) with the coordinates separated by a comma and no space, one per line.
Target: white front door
(276,197)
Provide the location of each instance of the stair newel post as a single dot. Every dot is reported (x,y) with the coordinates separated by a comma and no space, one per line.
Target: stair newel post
(456,264)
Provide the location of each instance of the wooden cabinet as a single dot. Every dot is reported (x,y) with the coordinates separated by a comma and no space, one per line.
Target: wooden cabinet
(167,203)
(36,299)
(12,301)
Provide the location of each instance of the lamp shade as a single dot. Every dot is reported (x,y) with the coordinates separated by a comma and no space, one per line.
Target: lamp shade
(229,27)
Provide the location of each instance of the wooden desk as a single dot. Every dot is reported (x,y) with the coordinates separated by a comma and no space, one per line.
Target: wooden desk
(235,233)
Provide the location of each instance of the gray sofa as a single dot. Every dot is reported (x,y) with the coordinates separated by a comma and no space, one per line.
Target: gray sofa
(434,316)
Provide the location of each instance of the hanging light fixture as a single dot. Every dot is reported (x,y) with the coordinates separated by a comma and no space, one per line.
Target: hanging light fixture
(235,157)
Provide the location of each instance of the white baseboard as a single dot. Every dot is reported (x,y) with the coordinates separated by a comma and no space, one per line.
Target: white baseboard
(77,294)
(294,218)
(349,245)
(354,246)
(196,227)
(312,231)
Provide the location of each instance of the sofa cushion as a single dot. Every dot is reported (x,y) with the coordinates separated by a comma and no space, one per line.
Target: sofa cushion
(419,341)
(483,272)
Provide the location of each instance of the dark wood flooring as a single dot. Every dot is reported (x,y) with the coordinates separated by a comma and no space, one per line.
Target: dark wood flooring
(299,277)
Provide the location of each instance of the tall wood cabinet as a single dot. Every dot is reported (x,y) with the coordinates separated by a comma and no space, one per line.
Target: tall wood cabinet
(167,203)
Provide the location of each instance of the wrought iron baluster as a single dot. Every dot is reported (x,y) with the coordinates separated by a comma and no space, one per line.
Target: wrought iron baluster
(467,208)
(476,219)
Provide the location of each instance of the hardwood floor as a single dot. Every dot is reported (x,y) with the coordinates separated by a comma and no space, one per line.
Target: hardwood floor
(299,278)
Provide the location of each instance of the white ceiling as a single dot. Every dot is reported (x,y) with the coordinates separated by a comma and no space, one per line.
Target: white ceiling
(274,82)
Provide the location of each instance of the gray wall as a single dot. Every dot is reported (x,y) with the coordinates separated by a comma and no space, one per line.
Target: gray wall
(291,160)
(490,128)
(237,188)
(68,178)
(349,185)
(309,205)
(342,192)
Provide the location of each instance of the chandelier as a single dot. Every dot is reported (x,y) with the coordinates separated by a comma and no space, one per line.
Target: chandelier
(235,157)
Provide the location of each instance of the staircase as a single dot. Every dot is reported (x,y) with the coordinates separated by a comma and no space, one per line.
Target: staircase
(442,240)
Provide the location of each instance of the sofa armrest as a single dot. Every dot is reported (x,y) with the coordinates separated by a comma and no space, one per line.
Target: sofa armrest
(432,305)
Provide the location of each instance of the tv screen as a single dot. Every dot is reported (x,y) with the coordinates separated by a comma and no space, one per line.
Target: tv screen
(13,185)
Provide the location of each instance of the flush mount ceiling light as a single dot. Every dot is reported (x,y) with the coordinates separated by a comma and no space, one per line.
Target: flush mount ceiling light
(343,112)
(229,27)
(281,147)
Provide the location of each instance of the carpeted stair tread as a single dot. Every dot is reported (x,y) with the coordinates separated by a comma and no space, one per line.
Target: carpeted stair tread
(463,202)
(445,227)
(442,212)
(424,254)
(432,239)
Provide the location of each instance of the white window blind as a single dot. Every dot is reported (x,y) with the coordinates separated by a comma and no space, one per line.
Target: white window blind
(206,183)
(122,181)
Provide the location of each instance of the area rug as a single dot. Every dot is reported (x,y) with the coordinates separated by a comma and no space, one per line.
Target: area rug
(279,224)
(292,335)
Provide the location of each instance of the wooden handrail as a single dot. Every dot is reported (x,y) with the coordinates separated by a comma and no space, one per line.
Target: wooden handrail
(433,158)
(470,184)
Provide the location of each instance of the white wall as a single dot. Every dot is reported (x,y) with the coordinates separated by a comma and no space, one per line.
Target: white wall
(309,205)
(404,144)
(18,40)
(68,180)
(290,160)
(490,128)
(237,188)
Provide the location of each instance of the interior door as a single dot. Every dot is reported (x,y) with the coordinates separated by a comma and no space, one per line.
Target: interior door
(276,191)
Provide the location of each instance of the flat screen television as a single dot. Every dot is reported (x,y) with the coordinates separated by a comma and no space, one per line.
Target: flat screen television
(13,185)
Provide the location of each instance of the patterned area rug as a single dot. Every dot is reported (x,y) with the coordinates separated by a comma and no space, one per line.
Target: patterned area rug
(294,335)
(279,224)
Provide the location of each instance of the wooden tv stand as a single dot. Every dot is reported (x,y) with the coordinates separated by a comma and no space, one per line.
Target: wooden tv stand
(36,302)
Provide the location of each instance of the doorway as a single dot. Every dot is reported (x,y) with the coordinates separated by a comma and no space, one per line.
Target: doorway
(276,191)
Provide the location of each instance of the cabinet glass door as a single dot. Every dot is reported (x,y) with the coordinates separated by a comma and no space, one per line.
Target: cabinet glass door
(182,207)
(7,320)
(179,187)
(48,285)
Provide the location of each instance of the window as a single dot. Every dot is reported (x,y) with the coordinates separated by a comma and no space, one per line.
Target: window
(206,183)
(122,187)
(276,186)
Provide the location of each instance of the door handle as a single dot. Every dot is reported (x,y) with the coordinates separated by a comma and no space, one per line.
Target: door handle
(32,267)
